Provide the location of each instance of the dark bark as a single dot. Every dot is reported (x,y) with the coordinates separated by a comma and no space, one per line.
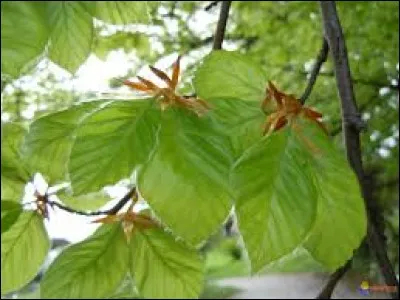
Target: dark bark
(221,26)
(211,5)
(112,211)
(321,58)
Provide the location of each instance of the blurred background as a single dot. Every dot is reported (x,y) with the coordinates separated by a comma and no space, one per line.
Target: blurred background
(284,38)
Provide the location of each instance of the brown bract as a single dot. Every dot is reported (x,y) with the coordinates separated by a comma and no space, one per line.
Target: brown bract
(167,95)
(129,220)
(281,108)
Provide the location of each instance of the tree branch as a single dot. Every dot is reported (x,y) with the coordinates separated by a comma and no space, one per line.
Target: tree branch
(112,211)
(221,26)
(321,58)
(327,291)
(351,127)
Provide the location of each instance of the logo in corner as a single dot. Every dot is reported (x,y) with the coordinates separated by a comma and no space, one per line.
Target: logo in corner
(364,288)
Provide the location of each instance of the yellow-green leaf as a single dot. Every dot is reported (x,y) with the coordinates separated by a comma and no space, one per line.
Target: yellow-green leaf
(230,75)
(163,267)
(111,143)
(93,268)
(186,178)
(24,248)
(276,199)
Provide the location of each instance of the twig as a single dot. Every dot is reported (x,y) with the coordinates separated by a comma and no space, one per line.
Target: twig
(111,211)
(327,291)
(351,129)
(211,5)
(221,26)
(321,58)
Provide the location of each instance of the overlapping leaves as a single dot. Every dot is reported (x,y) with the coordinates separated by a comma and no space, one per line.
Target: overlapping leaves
(53,136)
(152,258)
(341,222)
(77,272)
(187,175)
(111,142)
(61,29)
(275,204)
(293,192)
(292,188)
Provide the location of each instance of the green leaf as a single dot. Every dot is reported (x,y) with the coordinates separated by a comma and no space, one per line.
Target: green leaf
(111,143)
(299,260)
(122,12)
(12,189)
(71,35)
(229,75)
(21,41)
(126,290)
(163,267)
(276,197)
(14,173)
(91,201)
(187,176)
(341,219)
(24,248)
(52,137)
(10,212)
(93,268)
(12,166)
(242,120)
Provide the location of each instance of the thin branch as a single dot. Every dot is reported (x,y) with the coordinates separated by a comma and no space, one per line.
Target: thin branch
(112,211)
(321,58)
(351,128)
(327,291)
(211,5)
(221,26)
